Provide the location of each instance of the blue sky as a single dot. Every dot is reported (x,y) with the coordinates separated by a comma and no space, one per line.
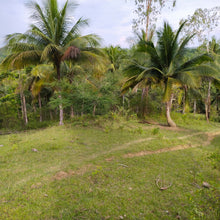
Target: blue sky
(110,19)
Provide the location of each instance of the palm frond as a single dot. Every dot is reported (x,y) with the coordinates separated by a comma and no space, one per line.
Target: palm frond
(90,40)
(166,44)
(39,16)
(75,31)
(191,64)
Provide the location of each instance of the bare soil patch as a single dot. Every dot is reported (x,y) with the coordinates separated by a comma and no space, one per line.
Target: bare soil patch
(210,135)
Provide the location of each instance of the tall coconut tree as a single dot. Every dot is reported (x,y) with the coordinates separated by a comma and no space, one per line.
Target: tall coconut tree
(164,64)
(53,37)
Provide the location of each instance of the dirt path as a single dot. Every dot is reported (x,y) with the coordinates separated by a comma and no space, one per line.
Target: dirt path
(210,135)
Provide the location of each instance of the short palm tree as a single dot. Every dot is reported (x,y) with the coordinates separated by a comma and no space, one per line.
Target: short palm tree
(115,56)
(163,64)
(51,38)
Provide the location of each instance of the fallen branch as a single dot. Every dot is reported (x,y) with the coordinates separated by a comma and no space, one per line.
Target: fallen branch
(123,165)
(160,186)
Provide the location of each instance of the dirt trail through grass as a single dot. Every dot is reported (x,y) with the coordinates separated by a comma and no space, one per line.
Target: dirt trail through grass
(210,135)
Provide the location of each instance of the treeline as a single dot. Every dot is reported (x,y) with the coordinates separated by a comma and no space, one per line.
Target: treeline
(52,73)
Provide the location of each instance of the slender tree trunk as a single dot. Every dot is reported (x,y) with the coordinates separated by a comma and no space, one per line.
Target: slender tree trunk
(25,109)
(94,109)
(61,111)
(194,107)
(208,103)
(22,105)
(170,122)
(184,99)
(71,112)
(40,107)
(60,97)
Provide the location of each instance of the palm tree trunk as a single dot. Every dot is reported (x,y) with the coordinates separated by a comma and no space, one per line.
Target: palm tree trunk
(208,103)
(170,122)
(40,107)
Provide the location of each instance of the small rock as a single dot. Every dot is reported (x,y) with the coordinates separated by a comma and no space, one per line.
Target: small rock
(167,212)
(121,217)
(130,188)
(34,150)
(206,185)
(45,195)
(1,145)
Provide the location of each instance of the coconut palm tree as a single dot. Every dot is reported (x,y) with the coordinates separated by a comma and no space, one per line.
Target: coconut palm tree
(115,56)
(53,37)
(164,65)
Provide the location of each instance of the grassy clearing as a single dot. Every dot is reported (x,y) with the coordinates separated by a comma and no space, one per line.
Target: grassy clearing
(79,172)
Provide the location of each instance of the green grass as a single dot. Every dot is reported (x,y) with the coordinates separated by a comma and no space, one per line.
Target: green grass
(80,172)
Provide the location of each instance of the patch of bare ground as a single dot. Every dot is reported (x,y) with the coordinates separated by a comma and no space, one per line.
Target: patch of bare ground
(63,175)
(210,135)
(143,153)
